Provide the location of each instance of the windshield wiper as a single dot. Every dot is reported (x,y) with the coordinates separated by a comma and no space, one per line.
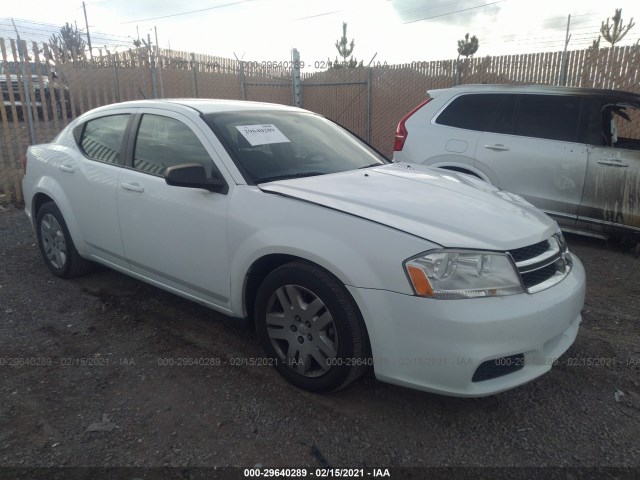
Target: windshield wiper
(371,165)
(288,176)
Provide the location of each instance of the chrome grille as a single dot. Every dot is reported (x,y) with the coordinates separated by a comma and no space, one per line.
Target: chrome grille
(531,251)
(543,264)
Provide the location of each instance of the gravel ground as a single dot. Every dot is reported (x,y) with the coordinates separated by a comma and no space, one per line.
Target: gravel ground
(124,409)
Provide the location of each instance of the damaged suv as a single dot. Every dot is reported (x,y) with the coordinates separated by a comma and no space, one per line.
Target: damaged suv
(572,152)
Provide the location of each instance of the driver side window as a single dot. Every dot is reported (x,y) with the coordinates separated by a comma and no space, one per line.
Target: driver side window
(163,142)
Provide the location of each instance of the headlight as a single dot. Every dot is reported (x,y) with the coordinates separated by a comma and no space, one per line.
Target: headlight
(453,274)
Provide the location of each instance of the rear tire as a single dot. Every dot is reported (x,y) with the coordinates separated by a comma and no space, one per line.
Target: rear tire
(56,245)
(310,328)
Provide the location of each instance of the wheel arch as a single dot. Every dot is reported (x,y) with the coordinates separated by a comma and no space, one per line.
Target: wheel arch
(256,274)
(48,190)
(462,164)
(463,168)
(264,265)
(39,199)
(261,267)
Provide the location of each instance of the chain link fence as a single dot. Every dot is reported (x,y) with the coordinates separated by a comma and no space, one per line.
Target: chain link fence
(43,90)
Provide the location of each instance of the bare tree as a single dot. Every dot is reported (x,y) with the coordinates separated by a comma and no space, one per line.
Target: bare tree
(616,31)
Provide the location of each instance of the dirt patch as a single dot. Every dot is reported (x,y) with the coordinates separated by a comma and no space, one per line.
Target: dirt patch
(106,350)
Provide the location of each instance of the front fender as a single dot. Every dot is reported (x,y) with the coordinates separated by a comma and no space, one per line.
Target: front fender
(359,252)
(329,252)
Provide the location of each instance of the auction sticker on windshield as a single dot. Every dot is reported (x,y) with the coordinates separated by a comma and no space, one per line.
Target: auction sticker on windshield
(262,134)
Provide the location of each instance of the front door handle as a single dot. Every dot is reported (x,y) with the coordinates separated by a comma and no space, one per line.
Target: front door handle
(613,162)
(132,187)
(497,146)
(66,168)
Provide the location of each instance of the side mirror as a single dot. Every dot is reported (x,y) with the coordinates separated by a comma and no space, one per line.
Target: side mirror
(193,175)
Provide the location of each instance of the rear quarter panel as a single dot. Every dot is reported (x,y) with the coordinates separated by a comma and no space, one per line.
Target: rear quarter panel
(43,177)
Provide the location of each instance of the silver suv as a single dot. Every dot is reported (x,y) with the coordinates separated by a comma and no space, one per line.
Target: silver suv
(572,152)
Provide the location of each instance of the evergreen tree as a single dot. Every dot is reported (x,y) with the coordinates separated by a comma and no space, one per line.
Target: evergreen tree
(616,31)
(466,48)
(345,49)
(67,43)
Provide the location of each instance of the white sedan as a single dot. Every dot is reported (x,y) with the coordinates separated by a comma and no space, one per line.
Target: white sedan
(345,261)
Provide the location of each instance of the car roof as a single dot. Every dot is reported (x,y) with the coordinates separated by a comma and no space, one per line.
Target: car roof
(617,95)
(206,105)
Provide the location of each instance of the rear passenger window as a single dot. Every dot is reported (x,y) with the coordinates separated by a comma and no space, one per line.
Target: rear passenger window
(102,138)
(164,142)
(554,117)
(486,112)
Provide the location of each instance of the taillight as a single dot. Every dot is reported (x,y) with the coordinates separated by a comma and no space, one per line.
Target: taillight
(24,164)
(401,131)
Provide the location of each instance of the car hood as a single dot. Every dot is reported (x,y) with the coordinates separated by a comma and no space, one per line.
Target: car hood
(450,209)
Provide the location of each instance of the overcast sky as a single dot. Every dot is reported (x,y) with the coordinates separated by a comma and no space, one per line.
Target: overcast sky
(397,31)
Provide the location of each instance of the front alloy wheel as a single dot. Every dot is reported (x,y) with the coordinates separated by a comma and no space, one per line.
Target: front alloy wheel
(302,331)
(310,327)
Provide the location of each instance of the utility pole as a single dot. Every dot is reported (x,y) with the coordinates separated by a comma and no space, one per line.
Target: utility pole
(565,63)
(86,23)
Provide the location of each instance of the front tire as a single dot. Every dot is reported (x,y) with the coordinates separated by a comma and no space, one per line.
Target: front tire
(56,245)
(310,327)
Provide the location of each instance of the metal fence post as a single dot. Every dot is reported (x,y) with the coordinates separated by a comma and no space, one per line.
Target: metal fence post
(194,68)
(243,94)
(115,59)
(368,138)
(159,62)
(295,78)
(152,67)
(26,81)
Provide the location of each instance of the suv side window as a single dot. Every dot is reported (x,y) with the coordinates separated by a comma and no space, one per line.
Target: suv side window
(483,112)
(163,142)
(554,117)
(101,138)
(621,126)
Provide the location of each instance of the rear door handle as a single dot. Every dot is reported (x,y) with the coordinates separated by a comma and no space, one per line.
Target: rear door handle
(66,168)
(497,146)
(613,162)
(132,187)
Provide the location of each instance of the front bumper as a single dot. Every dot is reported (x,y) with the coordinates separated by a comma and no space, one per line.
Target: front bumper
(437,345)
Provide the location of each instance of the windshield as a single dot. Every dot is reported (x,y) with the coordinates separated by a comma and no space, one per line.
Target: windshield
(13,66)
(274,145)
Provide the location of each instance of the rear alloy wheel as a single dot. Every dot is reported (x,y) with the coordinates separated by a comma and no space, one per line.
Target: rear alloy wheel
(310,327)
(55,244)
